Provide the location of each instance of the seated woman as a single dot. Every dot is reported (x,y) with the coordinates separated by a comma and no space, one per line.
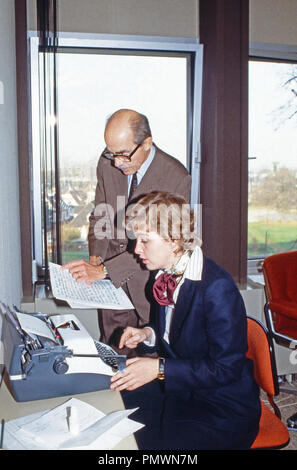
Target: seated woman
(199,393)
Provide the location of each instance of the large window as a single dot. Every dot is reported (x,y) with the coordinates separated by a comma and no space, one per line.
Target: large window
(79,88)
(91,87)
(272,213)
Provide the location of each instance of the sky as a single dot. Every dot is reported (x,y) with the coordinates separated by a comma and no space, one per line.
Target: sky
(270,140)
(157,87)
(152,85)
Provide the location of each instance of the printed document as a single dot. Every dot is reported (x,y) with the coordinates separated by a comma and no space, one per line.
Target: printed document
(100,294)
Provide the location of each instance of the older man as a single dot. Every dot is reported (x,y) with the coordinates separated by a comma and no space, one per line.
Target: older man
(130,166)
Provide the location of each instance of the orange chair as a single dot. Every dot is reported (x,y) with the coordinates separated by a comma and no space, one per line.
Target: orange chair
(273,434)
(280,275)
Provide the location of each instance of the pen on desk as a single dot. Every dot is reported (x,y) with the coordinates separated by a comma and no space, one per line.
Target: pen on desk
(2,433)
(73,422)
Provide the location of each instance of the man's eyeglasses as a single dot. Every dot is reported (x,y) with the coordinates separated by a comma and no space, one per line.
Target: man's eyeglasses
(124,156)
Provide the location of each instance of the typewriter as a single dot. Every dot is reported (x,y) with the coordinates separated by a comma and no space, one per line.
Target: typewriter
(49,356)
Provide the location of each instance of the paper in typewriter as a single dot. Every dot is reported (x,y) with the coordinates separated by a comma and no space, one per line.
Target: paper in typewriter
(100,294)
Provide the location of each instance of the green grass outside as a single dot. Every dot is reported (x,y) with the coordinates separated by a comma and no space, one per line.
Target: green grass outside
(263,239)
(74,256)
(269,238)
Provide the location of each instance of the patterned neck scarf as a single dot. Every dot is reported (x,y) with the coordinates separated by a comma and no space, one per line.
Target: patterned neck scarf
(166,283)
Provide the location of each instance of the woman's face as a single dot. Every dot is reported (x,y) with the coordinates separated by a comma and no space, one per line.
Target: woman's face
(154,251)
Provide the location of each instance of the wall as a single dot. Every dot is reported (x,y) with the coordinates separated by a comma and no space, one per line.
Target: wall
(10,277)
(10,255)
(141,17)
(273,21)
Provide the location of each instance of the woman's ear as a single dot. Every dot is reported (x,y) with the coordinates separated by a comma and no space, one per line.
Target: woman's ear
(176,246)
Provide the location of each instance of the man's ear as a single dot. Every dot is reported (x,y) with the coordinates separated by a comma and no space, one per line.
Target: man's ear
(148,142)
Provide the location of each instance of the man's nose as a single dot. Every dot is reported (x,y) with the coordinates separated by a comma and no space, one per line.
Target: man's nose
(118,163)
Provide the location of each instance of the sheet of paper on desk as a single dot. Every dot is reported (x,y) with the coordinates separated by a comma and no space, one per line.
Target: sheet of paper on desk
(11,442)
(100,294)
(49,430)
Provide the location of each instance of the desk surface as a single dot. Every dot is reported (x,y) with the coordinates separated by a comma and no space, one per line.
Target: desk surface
(104,400)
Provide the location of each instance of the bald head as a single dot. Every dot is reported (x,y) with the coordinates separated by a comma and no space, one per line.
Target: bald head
(129,122)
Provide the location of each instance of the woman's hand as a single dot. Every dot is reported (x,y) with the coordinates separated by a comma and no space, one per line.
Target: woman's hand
(139,371)
(131,337)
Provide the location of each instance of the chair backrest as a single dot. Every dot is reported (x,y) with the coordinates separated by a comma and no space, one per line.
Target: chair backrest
(280,273)
(261,352)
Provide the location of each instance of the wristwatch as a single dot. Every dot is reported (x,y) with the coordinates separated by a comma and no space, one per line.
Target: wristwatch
(161,373)
(105,270)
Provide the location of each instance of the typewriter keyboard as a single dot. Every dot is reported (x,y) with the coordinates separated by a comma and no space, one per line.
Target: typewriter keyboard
(107,354)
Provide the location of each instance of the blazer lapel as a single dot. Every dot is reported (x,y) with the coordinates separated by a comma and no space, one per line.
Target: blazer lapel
(152,179)
(116,196)
(165,346)
(161,320)
(120,184)
(182,308)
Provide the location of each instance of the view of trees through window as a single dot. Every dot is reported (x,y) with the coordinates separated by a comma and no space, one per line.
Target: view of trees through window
(272,214)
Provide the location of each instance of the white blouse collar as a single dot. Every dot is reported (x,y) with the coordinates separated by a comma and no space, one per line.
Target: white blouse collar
(194,267)
(190,265)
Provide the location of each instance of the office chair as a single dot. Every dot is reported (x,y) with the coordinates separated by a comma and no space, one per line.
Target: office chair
(280,275)
(272,434)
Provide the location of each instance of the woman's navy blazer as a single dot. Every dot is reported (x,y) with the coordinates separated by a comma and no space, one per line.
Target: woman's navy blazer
(206,363)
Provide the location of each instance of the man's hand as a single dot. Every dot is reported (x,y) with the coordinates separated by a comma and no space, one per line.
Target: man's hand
(139,371)
(85,272)
(131,337)
(95,260)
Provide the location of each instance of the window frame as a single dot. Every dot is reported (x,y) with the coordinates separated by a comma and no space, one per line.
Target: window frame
(110,43)
(271,53)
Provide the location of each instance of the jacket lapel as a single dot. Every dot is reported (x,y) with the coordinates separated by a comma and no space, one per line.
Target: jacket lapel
(162,316)
(165,346)
(116,194)
(182,308)
(120,183)
(152,179)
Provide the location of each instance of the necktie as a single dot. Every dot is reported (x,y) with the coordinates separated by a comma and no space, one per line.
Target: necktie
(164,287)
(133,185)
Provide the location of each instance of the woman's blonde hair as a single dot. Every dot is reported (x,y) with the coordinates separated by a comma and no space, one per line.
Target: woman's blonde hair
(167,214)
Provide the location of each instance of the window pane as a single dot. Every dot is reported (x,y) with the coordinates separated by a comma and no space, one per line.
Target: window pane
(272,215)
(90,88)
